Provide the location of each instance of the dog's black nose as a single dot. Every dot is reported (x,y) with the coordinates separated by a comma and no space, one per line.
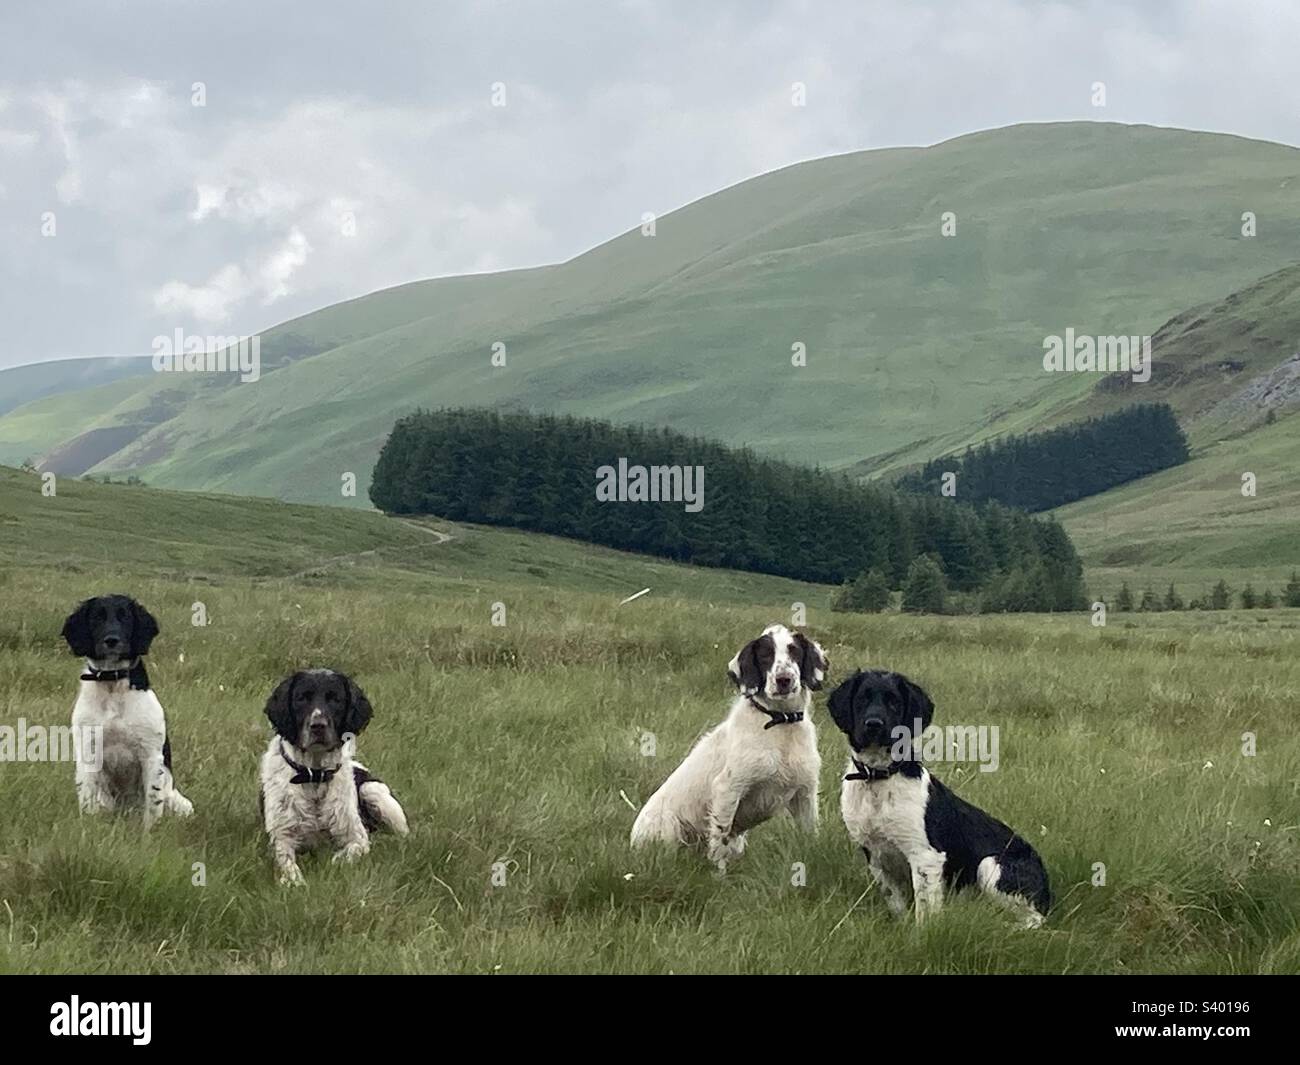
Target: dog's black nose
(873,725)
(783,684)
(111,642)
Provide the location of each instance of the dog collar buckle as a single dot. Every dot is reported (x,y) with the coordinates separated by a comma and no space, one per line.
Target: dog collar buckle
(779,717)
(305,774)
(108,676)
(870,772)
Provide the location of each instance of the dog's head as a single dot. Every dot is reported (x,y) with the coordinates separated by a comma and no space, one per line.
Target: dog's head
(873,705)
(779,664)
(110,628)
(318,709)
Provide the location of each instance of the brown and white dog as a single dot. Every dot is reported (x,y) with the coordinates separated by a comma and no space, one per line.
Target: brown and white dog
(760,760)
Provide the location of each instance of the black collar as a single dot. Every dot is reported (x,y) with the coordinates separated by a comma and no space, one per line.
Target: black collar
(107,676)
(779,717)
(306,775)
(870,772)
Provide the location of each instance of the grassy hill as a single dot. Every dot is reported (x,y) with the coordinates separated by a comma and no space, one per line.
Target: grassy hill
(1230,368)
(523,748)
(1223,365)
(1192,525)
(916,343)
(39,380)
(190,537)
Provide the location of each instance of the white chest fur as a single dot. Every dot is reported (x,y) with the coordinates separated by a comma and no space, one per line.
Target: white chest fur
(126,724)
(886,814)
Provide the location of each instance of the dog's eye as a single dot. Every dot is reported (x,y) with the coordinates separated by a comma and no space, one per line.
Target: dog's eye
(332,697)
(121,614)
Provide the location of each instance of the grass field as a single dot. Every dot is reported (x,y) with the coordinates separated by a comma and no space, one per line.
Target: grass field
(514,744)
(1192,525)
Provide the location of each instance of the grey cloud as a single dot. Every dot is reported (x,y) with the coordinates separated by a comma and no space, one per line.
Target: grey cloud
(233,216)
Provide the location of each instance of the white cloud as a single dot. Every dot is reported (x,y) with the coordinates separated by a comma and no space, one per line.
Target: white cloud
(210,303)
(276,271)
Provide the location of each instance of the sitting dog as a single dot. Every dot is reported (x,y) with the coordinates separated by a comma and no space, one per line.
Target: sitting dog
(760,760)
(313,790)
(124,758)
(917,834)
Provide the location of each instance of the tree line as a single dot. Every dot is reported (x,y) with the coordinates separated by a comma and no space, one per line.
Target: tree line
(1039,471)
(1220,597)
(542,473)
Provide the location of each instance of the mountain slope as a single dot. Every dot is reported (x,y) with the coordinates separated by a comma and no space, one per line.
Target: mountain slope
(212,539)
(1230,368)
(916,343)
(1223,365)
(1193,524)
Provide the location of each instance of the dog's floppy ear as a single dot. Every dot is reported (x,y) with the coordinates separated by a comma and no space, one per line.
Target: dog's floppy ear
(279,708)
(743,669)
(840,704)
(143,630)
(76,630)
(813,664)
(919,704)
(359,711)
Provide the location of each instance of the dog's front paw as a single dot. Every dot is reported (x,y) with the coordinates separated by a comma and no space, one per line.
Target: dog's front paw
(720,853)
(352,852)
(181,806)
(292,877)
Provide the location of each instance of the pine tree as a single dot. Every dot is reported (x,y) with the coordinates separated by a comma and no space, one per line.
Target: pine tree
(1249,600)
(925,591)
(1292,593)
(1173,601)
(868,594)
(1149,602)
(1124,600)
(1268,600)
(1220,596)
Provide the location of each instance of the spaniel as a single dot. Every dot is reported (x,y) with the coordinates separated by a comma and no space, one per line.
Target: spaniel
(916,834)
(760,760)
(124,759)
(313,790)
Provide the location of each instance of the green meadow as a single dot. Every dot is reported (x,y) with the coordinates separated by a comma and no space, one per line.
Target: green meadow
(517,751)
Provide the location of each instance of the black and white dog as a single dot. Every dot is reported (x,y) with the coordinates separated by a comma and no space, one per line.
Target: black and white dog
(119,730)
(313,791)
(760,760)
(917,835)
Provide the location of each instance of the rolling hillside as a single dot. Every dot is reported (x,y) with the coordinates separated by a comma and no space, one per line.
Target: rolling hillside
(1223,366)
(1230,368)
(194,538)
(916,343)
(37,380)
(1191,524)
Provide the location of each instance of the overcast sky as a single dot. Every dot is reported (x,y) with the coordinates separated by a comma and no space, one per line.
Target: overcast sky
(345,148)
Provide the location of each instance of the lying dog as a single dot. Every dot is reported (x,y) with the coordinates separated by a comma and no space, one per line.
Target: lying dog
(313,790)
(762,759)
(124,758)
(917,834)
